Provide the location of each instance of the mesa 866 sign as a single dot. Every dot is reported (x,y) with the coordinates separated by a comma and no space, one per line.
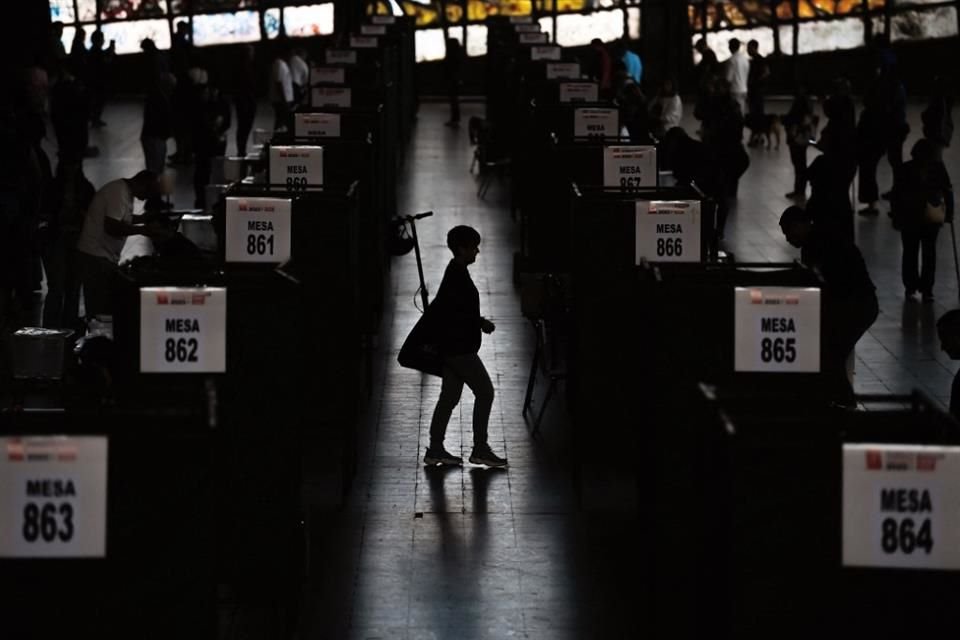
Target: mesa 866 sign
(668,231)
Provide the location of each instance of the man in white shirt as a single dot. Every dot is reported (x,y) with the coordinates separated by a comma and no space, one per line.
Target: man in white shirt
(737,74)
(108,222)
(281,90)
(299,74)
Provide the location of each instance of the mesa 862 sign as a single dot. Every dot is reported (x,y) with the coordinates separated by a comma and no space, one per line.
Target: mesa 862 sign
(668,231)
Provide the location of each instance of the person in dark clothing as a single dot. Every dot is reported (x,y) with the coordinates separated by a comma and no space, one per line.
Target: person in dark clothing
(634,109)
(882,129)
(708,67)
(693,162)
(456,325)
(78,53)
(848,297)
(756,88)
(937,118)
(829,205)
(60,229)
(157,128)
(452,69)
(599,65)
(800,124)
(210,137)
(245,97)
(838,139)
(723,133)
(69,115)
(97,78)
(155,64)
(948,329)
(922,200)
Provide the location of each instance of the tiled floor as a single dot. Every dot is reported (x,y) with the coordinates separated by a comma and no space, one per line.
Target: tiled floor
(471,553)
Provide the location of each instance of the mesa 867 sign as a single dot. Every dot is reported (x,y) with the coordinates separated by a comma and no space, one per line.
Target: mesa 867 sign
(668,231)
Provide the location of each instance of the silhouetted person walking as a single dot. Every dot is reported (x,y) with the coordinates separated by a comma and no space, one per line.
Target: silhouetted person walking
(456,325)
(882,130)
(922,200)
(799,123)
(245,97)
(848,298)
(756,87)
(98,76)
(210,135)
(452,69)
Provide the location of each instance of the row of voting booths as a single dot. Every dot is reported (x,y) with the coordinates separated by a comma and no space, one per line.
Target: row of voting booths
(770,511)
(233,375)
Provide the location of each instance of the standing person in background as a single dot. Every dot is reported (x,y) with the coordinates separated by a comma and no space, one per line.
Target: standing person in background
(666,109)
(882,130)
(181,100)
(78,53)
(599,66)
(801,127)
(938,116)
(157,127)
(756,87)
(737,73)
(281,88)
(632,62)
(921,201)
(245,96)
(452,70)
(299,74)
(212,124)
(838,139)
(99,61)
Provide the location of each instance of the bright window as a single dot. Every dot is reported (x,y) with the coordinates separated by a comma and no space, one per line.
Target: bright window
(130,33)
(310,20)
(226,28)
(576,29)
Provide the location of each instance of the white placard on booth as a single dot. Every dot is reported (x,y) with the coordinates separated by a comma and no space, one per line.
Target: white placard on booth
(628,167)
(777,329)
(373,29)
(53,497)
(328,75)
(533,38)
(901,506)
(363,42)
(340,56)
(297,166)
(258,230)
(668,231)
(383,19)
(563,70)
(596,123)
(183,329)
(545,52)
(331,97)
(521,19)
(316,125)
(579,92)
(526,28)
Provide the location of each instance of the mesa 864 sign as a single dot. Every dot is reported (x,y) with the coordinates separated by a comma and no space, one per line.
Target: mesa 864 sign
(668,231)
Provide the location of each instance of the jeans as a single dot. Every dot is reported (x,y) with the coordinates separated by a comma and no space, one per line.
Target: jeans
(95,275)
(798,156)
(154,154)
(919,243)
(246,110)
(850,316)
(458,370)
(62,303)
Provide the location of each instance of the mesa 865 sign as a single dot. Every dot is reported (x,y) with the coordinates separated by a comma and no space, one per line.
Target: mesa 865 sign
(777,329)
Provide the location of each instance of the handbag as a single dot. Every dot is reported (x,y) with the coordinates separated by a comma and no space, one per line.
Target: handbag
(420,351)
(935,213)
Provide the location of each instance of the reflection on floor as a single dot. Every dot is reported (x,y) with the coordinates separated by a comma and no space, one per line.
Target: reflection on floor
(471,553)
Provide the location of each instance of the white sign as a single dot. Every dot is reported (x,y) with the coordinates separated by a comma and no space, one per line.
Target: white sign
(258,230)
(53,497)
(630,167)
(383,19)
(901,506)
(777,329)
(534,38)
(183,330)
(297,167)
(579,92)
(363,42)
(526,28)
(328,75)
(341,56)
(521,19)
(545,52)
(331,97)
(668,231)
(314,125)
(596,123)
(563,70)
(373,30)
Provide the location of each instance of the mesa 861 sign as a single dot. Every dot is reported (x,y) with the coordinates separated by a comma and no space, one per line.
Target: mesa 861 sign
(668,231)
(53,497)
(258,230)
(777,330)
(901,506)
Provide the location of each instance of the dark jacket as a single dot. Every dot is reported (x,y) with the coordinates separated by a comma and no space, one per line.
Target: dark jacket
(839,263)
(829,204)
(916,185)
(455,313)
(157,115)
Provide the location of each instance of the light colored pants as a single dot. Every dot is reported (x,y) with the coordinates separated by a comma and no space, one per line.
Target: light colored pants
(741,99)
(458,370)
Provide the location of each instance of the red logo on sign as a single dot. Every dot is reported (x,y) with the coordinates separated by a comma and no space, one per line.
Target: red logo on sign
(163,298)
(926,462)
(198,298)
(756,296)
(874,460)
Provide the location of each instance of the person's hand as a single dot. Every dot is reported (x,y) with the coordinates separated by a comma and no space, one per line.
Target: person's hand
(486,326)
(159,231)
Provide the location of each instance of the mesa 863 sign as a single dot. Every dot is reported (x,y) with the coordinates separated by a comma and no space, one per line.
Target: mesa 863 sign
(668,231)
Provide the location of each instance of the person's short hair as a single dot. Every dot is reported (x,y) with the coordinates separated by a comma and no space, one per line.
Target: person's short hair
(596,41)
(949,323)
(792,215)
(462,236)
(734,45)
(753,43)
